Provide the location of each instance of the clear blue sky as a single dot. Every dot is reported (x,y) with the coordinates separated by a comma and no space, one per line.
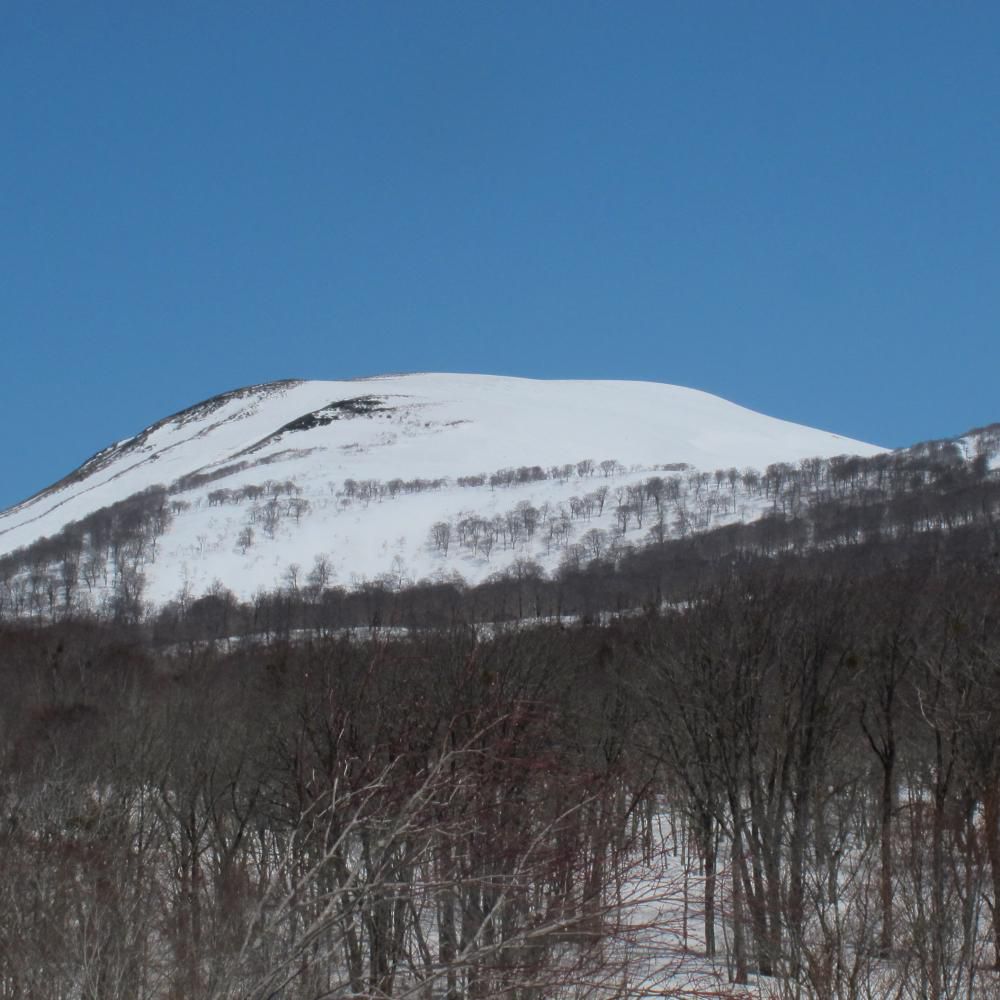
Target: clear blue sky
(793,205)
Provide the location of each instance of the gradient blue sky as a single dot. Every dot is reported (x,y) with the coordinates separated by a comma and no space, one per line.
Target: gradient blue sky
(793,205)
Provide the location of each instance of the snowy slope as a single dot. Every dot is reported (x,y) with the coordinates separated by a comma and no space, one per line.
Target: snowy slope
(317,436)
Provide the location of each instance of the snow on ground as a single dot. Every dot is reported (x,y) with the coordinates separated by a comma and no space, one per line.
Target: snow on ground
(363,541)
(319,435)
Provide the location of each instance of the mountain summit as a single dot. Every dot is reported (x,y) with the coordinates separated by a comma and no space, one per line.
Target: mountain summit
(395,474)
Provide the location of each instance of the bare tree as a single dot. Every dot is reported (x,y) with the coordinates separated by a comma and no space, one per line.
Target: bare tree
(441,536)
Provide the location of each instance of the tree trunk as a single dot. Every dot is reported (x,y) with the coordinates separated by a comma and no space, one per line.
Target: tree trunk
(991,819)
(740,971)
(886,812)
(709,855)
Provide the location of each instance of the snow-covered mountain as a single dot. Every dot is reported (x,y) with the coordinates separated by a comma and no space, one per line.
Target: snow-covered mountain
(419,476)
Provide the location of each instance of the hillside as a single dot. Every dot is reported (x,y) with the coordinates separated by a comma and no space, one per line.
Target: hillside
(415,476)
(796,663)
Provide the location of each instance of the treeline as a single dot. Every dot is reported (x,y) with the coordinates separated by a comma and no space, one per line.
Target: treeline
(97,565)
(837,513)
(835,501)
(860,534)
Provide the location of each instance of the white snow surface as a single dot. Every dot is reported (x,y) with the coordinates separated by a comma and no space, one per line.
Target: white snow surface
(428,426)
